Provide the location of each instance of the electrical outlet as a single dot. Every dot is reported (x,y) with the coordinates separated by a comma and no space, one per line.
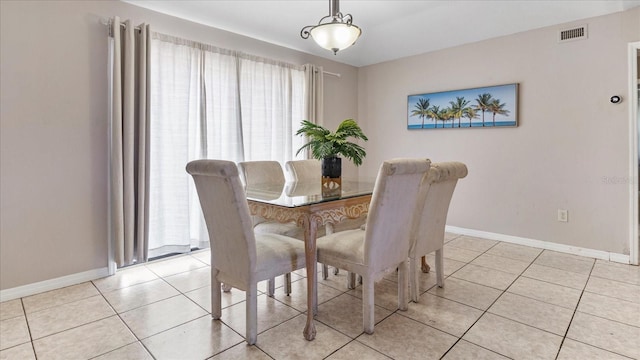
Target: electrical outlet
(563,215)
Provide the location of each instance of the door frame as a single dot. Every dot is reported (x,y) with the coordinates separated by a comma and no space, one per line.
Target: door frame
(634,191)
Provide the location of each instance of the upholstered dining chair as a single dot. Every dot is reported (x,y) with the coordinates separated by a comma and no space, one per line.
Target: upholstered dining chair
(304,170)
(436,193)
(384,243)
(239,257)
(256,173)
(308,172)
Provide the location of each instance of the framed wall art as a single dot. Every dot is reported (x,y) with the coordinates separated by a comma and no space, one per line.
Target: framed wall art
(490,106)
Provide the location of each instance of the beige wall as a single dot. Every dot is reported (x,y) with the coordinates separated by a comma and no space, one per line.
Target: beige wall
(570,150)
(53,186)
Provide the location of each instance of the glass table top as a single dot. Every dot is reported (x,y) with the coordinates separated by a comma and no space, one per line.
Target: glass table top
(293,194)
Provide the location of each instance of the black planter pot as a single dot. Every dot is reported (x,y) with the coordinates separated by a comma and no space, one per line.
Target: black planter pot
(332,167)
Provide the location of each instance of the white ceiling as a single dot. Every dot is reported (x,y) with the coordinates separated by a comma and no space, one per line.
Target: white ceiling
(391,29)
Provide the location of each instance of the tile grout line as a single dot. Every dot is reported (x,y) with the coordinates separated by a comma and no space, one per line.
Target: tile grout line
(483,311)
(575,311)
(487,310)
(125,324)
(26,320)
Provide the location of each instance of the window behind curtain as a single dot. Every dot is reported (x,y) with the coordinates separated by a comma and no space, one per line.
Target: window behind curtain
(211,103)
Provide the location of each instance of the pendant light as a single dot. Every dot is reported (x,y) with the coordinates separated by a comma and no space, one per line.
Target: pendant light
(335,34)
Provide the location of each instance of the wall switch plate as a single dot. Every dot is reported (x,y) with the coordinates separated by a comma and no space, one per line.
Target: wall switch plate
(563,215)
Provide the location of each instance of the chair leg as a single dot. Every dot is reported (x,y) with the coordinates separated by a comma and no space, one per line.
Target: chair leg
(414,280)
(368,304)
(328,229)
(403,285)
(287,284)
(439,268)
(252,314)
(216,296)
(351,280)
(271,287)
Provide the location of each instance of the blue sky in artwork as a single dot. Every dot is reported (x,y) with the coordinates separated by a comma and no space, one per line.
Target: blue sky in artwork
(505,93)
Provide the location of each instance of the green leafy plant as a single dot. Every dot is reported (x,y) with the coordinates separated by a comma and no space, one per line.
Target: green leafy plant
(326,144)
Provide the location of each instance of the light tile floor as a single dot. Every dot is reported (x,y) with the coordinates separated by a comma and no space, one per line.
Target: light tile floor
(500,301)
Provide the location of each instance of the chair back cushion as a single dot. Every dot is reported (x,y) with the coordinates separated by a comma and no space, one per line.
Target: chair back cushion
(392,211)
(304,170)
(226,213)
(437,194)
(261,172)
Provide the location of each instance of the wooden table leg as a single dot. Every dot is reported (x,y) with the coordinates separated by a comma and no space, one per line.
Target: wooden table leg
(311,260)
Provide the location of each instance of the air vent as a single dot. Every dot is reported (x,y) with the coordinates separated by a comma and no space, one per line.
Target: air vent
(576,33)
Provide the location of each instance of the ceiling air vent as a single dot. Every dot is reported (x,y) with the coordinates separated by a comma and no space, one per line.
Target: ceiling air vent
(576,33)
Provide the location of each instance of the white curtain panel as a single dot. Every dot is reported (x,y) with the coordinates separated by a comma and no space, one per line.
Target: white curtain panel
(211,103)
(129,141)
(175,112)
(271,104)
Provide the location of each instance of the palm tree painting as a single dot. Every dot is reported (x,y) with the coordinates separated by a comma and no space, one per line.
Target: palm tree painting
(474,105)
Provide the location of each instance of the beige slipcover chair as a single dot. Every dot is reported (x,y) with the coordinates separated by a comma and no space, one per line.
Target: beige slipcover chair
(304,170)
(267,172)
(384,243)
(257,173)
(239,257)
(437,192)
(310,172)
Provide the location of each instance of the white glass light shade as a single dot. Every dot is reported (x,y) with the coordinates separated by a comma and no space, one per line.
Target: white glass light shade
(335,36)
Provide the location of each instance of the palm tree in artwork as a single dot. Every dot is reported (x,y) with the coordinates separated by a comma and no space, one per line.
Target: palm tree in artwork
(482,103)
(421,109)
(434,113)
(446,115)
(497,108)
(470,113)
(457,108)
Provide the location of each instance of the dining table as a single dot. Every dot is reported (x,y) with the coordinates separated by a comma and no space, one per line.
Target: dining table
(311,204)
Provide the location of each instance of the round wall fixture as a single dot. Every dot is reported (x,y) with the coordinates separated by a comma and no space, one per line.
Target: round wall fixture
(615,99)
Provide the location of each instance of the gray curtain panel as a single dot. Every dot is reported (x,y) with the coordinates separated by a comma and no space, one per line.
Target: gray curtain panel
(314,100)
(129,144)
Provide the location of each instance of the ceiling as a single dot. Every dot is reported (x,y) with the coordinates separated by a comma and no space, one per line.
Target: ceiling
(391,29)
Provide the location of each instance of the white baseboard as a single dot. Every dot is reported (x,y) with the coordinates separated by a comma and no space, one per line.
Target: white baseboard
(575,250)
(52,284)
(73,279)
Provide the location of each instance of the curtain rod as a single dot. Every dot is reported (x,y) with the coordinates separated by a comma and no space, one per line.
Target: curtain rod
(109,23)
(331,73)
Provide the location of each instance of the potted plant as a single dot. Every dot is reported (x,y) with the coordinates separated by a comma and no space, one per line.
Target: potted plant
(327,146)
